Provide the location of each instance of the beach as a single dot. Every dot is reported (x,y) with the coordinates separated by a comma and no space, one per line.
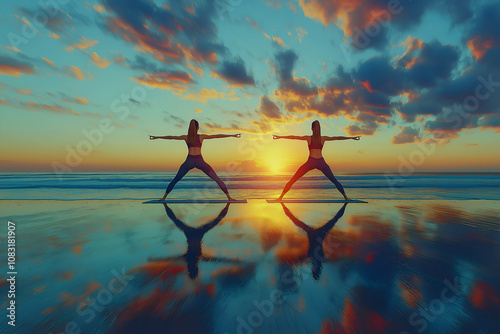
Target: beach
(100,259)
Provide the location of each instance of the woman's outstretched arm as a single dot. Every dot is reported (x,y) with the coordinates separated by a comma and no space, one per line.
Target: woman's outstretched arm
(238,135)
(291,137)
(340,138)
(168,137)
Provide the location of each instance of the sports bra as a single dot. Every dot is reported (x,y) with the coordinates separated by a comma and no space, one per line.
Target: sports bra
(197,144)
(312,146)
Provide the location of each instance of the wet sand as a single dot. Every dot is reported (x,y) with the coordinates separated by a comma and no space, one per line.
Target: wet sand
(384,267)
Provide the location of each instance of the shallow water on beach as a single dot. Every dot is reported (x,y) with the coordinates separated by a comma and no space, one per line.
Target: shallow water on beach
(390,266)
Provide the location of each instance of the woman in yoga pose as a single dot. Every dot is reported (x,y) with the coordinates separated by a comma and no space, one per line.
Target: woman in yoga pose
(194,158)
(315,161)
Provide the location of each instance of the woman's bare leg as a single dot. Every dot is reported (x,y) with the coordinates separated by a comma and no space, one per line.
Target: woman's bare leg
(183,169)
(298,174)
(207,169)
(328,173)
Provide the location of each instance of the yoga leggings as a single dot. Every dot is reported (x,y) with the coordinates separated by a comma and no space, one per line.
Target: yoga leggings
(310,164)
(196,161)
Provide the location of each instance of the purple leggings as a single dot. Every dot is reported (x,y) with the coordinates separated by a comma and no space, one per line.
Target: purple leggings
(313,163)
(196,161)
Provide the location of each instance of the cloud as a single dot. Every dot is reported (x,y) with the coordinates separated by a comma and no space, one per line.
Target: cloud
(36,106)
(233,126)
(406,136)
(175,120)
(172,80)
(234,73)
(276,39)
(433,62)
(207,94)
(76,73)
(285,61)
(483,38)
(301,32)
(98,61)
(24,91)
(60,24)
(51,63)
(491,121)
(14,67)
(99,8)
(269,109)
(367,129)
(144,64)
(83,44)
(119,60)
(176,33)
(76,100)
(371,93)
(367,22)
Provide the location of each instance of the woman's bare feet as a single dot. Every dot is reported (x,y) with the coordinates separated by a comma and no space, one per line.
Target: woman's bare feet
(229,198)
(347,198)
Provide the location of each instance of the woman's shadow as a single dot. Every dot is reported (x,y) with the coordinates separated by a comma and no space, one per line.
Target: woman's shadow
(315,237)
(194,238)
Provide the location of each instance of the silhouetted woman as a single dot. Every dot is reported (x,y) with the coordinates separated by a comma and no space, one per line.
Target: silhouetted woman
(194,158)
(194,238)
(315,161)
(315,236)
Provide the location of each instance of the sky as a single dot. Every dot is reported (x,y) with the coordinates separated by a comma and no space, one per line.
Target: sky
(83,84)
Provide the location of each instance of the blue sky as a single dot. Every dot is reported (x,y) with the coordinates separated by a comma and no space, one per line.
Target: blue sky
(255,67)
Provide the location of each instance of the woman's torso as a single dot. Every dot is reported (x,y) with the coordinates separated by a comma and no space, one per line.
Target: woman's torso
(195,149)
(315,151)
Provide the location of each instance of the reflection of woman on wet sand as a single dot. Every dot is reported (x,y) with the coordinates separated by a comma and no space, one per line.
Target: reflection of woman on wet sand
(194,237)
(315,236)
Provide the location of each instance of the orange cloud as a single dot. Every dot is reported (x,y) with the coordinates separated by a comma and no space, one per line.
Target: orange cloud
(98,61)
(274,38)
(478,46)
(119,60)
(13,48)
(54,36)
(84,43)
(13,67)
(340,12)
(5,103)
(23,91)
(99,8)
(35,106)
(76,73)
(76,100)
(51,63)
(207,94)
(177,80)
(143,42)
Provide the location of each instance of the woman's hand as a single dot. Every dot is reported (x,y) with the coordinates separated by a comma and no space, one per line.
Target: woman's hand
(356,138)
(152,137)
(276,137)
(238,135)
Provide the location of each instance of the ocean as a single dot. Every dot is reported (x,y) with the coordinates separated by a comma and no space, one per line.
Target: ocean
(142,186)
(422,256)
